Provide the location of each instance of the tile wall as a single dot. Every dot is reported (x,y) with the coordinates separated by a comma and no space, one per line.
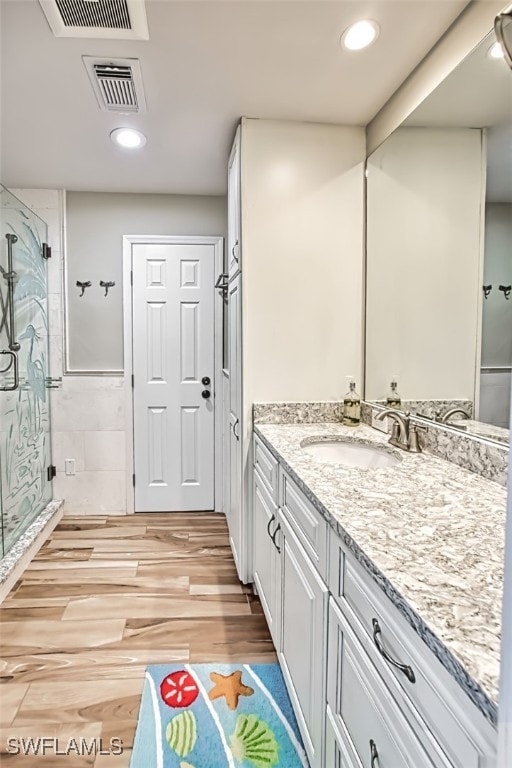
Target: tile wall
(88,412)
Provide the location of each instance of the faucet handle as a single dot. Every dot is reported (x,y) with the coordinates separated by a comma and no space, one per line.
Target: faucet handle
(414,443)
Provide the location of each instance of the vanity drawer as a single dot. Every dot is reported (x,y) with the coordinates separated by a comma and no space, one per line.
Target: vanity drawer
(361,706)
(433,698)
(267,467)
(309,526)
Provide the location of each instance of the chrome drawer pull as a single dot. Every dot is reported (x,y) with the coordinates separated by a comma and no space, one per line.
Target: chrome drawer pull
(269,524)
(374,755)
(408,672)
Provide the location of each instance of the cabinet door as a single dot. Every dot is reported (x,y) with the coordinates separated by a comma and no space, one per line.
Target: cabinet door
(266,561)
(234,250)
(235,347)
(337,752)
(234,518)
(363,708)
(303,639)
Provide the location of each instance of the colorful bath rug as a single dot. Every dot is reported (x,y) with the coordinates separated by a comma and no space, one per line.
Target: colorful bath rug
(216,716)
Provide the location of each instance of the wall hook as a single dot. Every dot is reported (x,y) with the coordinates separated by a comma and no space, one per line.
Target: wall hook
(107,285)
(83,286)
(487,290)
(506,290)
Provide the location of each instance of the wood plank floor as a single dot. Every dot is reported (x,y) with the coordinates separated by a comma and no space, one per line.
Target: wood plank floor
(104,597)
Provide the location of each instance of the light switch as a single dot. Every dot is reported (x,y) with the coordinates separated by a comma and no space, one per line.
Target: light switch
(69,465)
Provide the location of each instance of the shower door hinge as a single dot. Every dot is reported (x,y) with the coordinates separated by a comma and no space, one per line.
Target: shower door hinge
(51,472)
(47,251)
(133,480)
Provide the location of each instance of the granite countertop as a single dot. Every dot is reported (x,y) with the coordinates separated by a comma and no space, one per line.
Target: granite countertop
(481,429)
(430,533)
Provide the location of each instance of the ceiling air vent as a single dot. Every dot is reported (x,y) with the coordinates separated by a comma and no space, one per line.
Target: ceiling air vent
(117,84)
(124,19)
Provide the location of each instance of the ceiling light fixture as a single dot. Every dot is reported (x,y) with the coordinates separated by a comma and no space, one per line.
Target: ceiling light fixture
(496,51)
(360,35)
(128,138)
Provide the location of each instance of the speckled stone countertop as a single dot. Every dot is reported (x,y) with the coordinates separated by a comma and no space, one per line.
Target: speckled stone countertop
(480,429)
(430,533)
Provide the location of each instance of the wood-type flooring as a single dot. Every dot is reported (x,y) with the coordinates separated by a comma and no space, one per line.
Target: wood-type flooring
(104,597)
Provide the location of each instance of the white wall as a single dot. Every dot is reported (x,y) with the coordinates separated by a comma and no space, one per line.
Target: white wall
(424,256)
(96,223)
(302,251)
(88,412)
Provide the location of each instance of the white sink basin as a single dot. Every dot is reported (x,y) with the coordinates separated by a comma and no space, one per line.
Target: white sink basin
(350,454)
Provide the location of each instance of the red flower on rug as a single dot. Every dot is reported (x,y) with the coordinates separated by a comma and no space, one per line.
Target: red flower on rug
(179,689)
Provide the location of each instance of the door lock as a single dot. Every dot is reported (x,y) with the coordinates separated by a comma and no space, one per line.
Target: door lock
(206,380)
(206,394)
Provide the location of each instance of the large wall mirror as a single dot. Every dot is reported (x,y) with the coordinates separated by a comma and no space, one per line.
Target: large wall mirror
(439,252)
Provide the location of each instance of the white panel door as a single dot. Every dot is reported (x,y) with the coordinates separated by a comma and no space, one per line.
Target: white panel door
(173,350)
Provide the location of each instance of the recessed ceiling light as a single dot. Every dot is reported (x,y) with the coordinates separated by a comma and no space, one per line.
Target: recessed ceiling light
(495,51)
(128,138)
(360,35)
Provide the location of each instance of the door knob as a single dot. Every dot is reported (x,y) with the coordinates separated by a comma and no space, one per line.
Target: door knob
(206,380)
(206,394)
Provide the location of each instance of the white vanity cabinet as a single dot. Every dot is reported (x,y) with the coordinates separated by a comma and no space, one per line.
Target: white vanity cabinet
(367,690)
(293,594)
(367,632)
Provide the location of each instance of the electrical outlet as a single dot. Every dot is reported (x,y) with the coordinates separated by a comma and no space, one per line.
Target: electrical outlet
(69,466)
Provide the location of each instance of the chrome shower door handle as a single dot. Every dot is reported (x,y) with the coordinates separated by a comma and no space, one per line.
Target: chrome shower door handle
(14,363)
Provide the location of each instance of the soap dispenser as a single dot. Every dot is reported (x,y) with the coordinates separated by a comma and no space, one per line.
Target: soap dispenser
(393,399)
(351,406)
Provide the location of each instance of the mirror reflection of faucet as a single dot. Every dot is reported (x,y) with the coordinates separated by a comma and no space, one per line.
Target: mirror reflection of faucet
(451,413)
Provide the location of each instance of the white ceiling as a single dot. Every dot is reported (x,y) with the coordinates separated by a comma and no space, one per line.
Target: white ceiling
(206,64)
(477,94)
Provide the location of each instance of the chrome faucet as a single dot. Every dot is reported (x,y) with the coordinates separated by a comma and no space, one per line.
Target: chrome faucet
(404,435)
(445,416)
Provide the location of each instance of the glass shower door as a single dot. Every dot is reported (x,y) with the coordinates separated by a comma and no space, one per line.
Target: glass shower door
(25,450)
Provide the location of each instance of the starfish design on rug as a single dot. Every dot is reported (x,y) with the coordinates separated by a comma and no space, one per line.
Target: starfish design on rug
(229,686)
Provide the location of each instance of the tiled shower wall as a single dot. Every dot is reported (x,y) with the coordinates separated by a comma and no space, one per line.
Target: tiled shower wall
(88,412)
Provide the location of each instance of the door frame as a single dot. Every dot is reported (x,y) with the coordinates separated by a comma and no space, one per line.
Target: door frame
(128,242)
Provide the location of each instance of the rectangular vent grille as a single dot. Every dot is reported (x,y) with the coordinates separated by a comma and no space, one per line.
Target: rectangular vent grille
(117,87)
(110,14)
(117,84)
(105,14)
(97,19)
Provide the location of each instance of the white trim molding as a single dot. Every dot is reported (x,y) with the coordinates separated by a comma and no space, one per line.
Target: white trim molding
(128,242)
